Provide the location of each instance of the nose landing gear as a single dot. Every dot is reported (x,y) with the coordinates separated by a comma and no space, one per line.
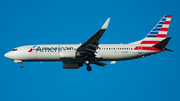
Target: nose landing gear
(21,65)
(19,61)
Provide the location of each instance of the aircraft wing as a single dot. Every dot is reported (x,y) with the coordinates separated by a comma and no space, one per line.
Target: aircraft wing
(92,43)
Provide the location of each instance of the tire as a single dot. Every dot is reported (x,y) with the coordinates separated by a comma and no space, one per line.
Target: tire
(89,68)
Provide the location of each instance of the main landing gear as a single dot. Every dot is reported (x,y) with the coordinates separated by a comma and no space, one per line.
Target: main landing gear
(89,68)
(87,62)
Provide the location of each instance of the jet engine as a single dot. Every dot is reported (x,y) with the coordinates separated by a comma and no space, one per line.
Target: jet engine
(67,54)
(72,65)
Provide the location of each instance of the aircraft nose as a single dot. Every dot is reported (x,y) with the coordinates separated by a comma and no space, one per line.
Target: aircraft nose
(7,55)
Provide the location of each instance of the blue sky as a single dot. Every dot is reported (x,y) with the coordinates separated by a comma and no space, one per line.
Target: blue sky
(33,22)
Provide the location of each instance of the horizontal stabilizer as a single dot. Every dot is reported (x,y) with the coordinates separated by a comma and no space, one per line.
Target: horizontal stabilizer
(163,43)
(169,50)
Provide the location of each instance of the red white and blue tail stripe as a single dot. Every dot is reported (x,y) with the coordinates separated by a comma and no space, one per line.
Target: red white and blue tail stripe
(161,29)
(157,34)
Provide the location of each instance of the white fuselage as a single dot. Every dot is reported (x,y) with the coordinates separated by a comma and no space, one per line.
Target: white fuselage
(105,52)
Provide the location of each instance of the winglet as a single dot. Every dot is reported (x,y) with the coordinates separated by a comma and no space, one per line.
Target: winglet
(105,24)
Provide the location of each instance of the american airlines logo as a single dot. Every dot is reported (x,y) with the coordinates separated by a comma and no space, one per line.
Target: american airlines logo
(50,49)
(32,48)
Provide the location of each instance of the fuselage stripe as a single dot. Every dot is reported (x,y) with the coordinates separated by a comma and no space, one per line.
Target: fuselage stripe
(147,48)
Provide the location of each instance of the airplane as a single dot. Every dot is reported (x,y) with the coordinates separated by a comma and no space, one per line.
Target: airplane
(91,52)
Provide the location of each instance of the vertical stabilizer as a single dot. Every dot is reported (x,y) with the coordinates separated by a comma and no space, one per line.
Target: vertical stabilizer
(161,29)
(158,33)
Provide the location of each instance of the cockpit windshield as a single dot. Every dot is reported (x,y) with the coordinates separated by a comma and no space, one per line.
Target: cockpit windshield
(14,50)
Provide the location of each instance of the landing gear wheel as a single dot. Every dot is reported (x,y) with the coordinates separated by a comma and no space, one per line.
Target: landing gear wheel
(21,66)
(89,68)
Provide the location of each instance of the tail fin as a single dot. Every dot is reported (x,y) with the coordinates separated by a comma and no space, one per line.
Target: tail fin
(161,29)
(158,33)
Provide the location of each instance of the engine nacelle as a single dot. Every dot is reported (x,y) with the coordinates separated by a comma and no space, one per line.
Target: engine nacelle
(71,65)
(67,54)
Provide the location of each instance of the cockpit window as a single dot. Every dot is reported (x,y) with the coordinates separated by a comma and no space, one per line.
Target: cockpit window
(14,50)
